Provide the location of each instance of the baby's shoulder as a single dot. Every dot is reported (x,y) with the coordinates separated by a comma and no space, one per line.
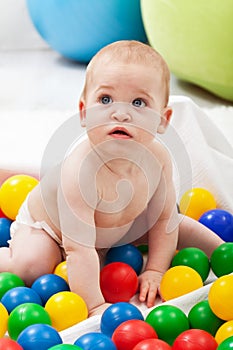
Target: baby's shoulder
(161,152)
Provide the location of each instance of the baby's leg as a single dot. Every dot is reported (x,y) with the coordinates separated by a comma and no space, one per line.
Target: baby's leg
(193,234)
(32,253)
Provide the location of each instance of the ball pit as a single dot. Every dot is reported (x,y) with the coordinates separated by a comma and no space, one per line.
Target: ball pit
(69,304)
(3,320)
(116,314)
(127,254)
(179,280)
(20,295)
(168,321)
(13,193)
(152,344)
(194,258)
(224,332)
(5,225)
(220,297)
(129,333)
(8,281)
(39,336)
(195,339)
(9,344)
(97,341)
(118,282)
(220,221)
(78,29)
(196,202)
(202,317)
(47,285)
(221,259)
(26,315)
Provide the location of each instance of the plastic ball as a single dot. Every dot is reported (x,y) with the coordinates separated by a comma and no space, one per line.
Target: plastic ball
(8,281)
(2,215)
(195,339)
(220,297)
(65,347)
(221,260)
(152,344)
(202,317)
(25,315)
(227,344)
(9,344)
(76,31)
(196,202)
(18,296)
(5,225)
(224,332)
(3,320)
(39,336)
(129,333)
(13,193)
(116,314)
(48,285)
(118,282)
(179,280)
(95,341)
(194,258)
(61,270)
(168,321)
(69,304)
(127,254)
(220,221)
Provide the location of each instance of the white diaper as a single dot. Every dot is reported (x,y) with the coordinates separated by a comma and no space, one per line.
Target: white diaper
(24,217)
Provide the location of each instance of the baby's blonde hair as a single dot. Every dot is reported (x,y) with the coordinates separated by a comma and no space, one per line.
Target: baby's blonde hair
(130,51)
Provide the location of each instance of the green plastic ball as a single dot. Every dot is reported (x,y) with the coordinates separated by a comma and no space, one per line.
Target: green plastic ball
(221,260)
(202,317)
(65,347)
(227,344)
(8,281)
(194,258)
(168,321)
(26,315)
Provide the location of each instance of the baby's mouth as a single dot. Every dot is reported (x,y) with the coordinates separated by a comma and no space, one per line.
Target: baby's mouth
(120,133)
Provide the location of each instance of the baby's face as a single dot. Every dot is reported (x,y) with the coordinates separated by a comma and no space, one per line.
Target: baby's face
(123,102)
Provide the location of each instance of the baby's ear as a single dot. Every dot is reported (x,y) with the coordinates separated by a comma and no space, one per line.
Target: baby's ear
(165,120)
(82,113)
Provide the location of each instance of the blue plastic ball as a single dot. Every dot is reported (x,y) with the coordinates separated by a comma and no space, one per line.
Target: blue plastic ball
(220,221)
(20,295)
(127,254)
(116,314)
(5,231)
(48,285)
(39,336)
(95,341)
(78,29)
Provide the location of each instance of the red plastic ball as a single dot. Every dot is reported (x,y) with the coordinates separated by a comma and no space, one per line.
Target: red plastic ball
(129,333)
(9,344)
(152,344)
(195,339)
(118,282)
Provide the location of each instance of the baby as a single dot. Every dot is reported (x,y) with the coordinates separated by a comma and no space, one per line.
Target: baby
(112,188)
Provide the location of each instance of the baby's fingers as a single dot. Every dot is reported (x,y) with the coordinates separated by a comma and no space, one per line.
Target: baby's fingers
(151,296)
(144,288)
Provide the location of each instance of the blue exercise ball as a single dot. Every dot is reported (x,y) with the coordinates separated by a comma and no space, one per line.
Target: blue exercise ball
(220,221)
(77,29)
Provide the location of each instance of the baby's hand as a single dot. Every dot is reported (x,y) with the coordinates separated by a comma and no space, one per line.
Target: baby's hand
(149,282)
(98,310)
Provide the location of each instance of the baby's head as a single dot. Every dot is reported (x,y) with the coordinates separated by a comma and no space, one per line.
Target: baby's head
(130,72)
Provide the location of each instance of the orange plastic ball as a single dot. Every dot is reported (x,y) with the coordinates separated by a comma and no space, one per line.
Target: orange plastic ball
(179,280)
(196,202)
(13,193)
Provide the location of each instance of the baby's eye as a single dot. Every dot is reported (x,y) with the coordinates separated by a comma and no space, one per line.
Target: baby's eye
(138,102)
(105,100)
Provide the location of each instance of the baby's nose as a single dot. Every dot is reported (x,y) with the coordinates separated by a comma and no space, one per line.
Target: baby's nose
(121,116)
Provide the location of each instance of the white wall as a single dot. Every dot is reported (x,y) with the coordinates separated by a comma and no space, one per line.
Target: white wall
(16,28)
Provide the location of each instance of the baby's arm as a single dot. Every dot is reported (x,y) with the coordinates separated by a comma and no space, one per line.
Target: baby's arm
(162,235)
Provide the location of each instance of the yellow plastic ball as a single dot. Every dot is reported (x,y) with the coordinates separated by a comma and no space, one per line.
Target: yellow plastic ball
(179,280)
(66,309)
(13,193)
(225,331)
(221,297)
(61,270)
(3,320)
(196,202)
